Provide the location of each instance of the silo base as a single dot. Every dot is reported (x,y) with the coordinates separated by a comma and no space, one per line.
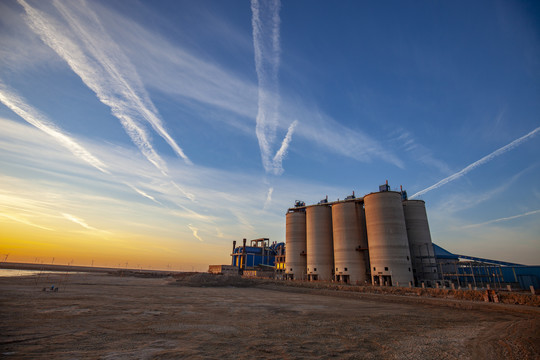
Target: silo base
(382,280)
(346,279)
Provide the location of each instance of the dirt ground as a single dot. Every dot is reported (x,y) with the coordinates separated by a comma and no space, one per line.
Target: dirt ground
(98,316)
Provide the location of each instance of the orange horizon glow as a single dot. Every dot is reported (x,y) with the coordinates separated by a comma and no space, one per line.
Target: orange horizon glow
(24,244)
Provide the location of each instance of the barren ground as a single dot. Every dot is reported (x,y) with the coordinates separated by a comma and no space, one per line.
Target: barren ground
(98,316)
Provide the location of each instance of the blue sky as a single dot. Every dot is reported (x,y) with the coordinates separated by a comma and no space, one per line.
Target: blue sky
(155,133)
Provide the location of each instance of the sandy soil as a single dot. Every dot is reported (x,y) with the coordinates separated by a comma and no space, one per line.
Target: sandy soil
(99,316)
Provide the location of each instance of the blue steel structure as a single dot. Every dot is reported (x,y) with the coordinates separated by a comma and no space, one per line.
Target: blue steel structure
(441,253)
(488,261)
(480,272)
(259,254)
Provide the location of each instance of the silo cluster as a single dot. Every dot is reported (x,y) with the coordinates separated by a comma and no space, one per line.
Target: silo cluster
(381,238)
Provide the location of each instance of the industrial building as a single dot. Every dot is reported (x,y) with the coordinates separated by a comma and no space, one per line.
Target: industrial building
(381,238)
(470,271)
(260,257)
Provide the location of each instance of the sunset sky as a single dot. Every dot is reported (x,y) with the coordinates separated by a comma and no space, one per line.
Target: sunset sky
(154,133)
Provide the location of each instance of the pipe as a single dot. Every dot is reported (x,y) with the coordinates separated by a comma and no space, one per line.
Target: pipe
(232,255)
(244,256)
(472,272)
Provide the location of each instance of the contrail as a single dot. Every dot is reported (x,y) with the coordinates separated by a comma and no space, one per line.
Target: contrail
(33,117)
(18,105)
(105,69)
(278,159)
(265,22)
(122,69)
(188,195)
(503,219)
(482,161)
(142,193)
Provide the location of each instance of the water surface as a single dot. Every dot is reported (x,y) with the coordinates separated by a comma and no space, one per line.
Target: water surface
(17,272)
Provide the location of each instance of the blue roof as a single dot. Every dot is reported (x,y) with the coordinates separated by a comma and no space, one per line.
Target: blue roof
(489,261)
(441,253)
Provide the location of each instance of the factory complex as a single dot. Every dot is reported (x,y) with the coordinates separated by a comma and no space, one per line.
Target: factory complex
(382,238)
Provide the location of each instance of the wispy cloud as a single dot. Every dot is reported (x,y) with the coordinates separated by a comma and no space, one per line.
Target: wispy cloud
(142,193)
(32,116)
(59,183)
(477,163)
(21,51)
(452,203)
(76,220)
(219,233)
(419,152)
(268,197)
(195,232)
(187,194)
(104,68)
(502,219)
(24,221)
(19,141)
(19,106)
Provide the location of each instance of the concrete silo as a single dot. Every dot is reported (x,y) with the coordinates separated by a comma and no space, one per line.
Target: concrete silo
(387,239)
(420,245)
(295,255)
(320,254)
(350,242)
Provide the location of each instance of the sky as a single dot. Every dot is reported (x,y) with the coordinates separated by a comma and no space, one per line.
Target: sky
(151,134)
